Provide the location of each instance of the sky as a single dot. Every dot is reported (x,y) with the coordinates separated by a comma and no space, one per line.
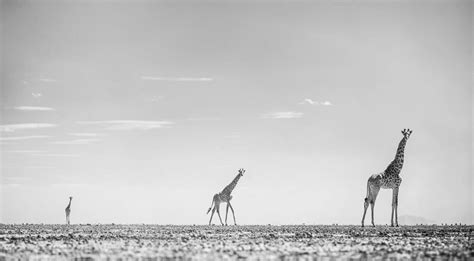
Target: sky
(143,110)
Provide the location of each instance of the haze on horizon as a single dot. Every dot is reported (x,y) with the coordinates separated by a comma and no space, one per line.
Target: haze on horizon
(143,110)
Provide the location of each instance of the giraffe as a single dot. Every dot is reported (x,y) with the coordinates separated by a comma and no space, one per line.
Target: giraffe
(68,211)
(224,196)
(389,179)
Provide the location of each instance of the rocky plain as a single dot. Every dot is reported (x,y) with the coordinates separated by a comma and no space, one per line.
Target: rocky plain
(296,242)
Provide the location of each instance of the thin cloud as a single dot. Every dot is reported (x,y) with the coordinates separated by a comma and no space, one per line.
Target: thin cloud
(308,101)
(30,167)
(234,135)
(76,142)
(203,119)
(36,95)
(25,126)
(17,178)
(24,137)
(33,108)
(283,115)
(11,185)
(58,155)
(47,80)
(312,102)
(64,184)
(156,98)
(26,151)
(40,167)
(129,124)
(177,79)
(84,134)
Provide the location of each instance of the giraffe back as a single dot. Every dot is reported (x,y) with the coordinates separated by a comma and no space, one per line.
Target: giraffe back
(390,180)
(225,197)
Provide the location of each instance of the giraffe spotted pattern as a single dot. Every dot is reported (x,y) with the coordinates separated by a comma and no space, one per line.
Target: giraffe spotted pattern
(225,196)
(389,179)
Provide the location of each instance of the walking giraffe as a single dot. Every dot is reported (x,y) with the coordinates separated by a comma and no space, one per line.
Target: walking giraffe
(68,211)
(389,179)
(224,196)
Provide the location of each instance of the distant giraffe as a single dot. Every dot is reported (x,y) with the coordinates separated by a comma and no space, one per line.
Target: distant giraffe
(68,211)
(389,179)
(225,196)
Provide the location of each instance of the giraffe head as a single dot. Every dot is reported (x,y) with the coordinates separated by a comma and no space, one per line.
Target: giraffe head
(406,133)
(70,198)
(241,172)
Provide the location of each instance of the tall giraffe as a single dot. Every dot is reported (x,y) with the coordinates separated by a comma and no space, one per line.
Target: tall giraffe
(389,179)
(68,211)
(225,196)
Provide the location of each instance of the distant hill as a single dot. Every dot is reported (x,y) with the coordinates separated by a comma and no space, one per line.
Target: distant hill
(414,220)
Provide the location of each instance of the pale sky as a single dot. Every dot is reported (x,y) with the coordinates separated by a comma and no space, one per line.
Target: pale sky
(142,111)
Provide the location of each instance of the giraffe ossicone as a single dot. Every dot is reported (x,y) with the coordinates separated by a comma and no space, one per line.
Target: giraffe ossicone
(224,196)
(389,179)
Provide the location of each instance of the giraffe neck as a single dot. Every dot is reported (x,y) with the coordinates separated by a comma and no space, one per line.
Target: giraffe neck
(69,205)
(401,150)
(397,163)
(228,189)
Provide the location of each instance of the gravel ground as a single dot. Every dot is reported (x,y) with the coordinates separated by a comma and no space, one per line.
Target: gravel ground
(252,242)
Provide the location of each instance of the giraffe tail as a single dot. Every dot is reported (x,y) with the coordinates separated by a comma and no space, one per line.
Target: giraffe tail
(368,192)
(212,203)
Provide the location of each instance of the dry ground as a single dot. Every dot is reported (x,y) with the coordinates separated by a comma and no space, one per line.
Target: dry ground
(216,242)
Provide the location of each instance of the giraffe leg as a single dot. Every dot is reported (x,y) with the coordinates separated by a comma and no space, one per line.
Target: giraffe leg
(395,206)
(396,215)
(366,205)
(366,202)
(219,214)
(375,192)
(372,213)
(233,214)
(212,214)
(226,212)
